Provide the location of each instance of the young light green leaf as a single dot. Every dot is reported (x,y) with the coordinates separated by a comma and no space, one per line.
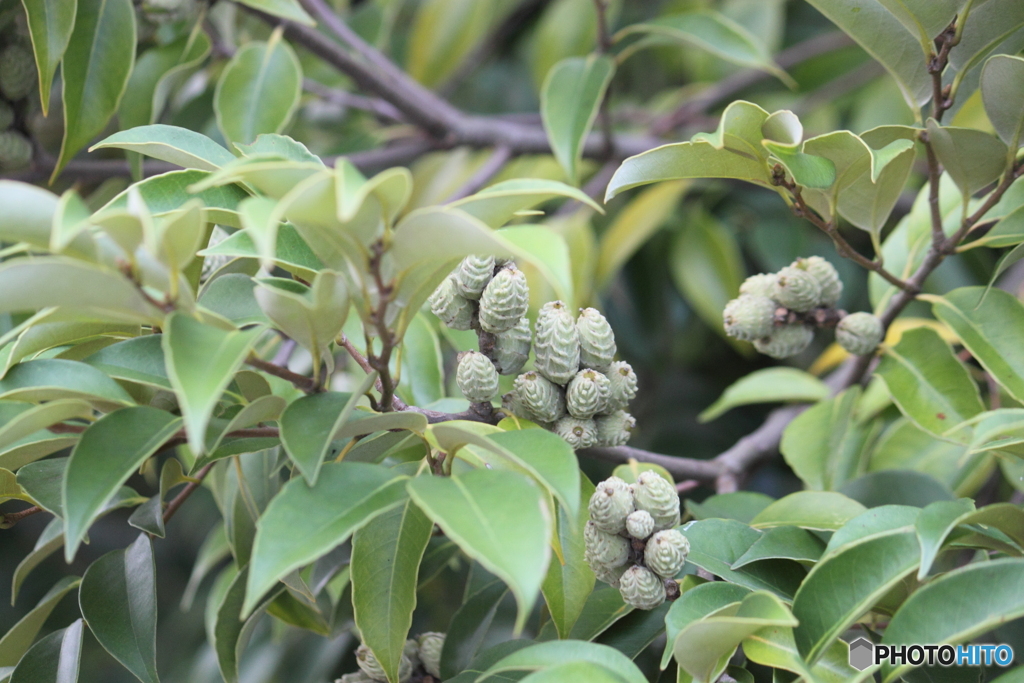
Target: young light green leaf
(806,170)
(972,158)
(163,65)
(775,647)
(34,418)
(303,523)
(18,639)
(546,250)
(97,63)
(569,583)
(118,600)
(442,234)
(290,251)
(825,444)
(110,450)
(176,145)
(259,90)
(767,386)
(498,518)
(259,221)
(818,510)
(309,425)
(1002,89)
(201,361)
(569,103)
(496,204)
(695,604)
(50,23)
(443,34)
(543,656)
(168,192)
(286,9)
(386,555)
(28,213)
(54,659)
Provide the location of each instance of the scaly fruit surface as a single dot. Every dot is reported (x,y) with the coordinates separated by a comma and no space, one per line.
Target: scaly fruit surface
(17,72)
(430,646)
(640,524)
(666,553)
(859,333)
(641,588)
(796,289)
(15,150)
(556,343)
(453,309)
(577,433)
(541,396)
(761,284)
(622,386)
(611,503)
(785,340)
(614,429)
(826,275)
(604,550)
(477,378)
(512,347)
(658,497)
(587,394)
(597,341)
(504,301)
(473,274)
(749,317)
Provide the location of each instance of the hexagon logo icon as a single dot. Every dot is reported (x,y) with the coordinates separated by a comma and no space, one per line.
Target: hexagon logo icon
(862,654)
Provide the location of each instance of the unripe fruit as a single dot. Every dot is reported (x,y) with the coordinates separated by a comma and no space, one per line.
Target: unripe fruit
(666,553)
(614,429)
(826,275)
(597,341)
(604,550)
(577,433)
(512,347)
(587,394)
(610,505)
(357,677)
(504,301)
(17,72)
(761,284)
(622,384)
(431,644)
(541,397)
(473,274)
(785,341)
(796,289)
(640,524)
(859,333)
(477,378)
(641,588)
(512,404)
(610,576)
(6,116)
(749,317)
(454,310)
(411,649)
(15,150)
(557,345)
(372,668)
(658,497)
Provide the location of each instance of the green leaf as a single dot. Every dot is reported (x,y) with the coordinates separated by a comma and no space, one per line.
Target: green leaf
(807,170)
(896,487)
(713,32)
(443,235)
(28,213)
(118,601)
(157,71)
(386,555)
(783,542)
(231,296)
(775,647)
(988,329)
(139,360)
(972,600)
(1003,94)
(498,203)
(10,489)
(49,540)
(499,519)
(938,520)
(469,626)
(878,521)
(50,23)
(31,419)
(972,158)
(868,199)
(819,510)
(742,506)
(168,192)
(309,425)
(443,34)
(18,639)
(767,386)
(230,634)
(546,655)
(54,659)
(149,516)
(569,101)
(422,363)
(96,66)
(302,523)
(545,249)
(636,631)
(274,145)
(201,361)
(48,379)
(212,552)
(259,90)
(286,9)
(176,145)
(290,251)
(847,584)
(697,603)
(569,582)
(927,18)
(574,672)
(603,608)
(567,28)
(928,383)
(987,26)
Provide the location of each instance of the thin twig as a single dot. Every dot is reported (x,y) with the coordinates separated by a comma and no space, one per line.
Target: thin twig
(494,163)
(9,519)
(183,495)
(380,108)
(688,468)
(301,382)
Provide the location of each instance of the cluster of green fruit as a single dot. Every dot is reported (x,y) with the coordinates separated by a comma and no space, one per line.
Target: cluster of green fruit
(577,389)
(17,83)
(631,540)
(421,658)
(778,311)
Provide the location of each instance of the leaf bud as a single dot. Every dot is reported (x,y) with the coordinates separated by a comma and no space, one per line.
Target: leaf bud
(610,505)
(666,553)
(597,341)
(785,341)
(749,317)
(796,289)
(641,588)
(656,495)
(557,343)
(454,310)
(476,377)
(859,333)
(540,396)
(504,301)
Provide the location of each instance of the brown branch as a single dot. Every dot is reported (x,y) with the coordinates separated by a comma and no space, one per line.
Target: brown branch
(301,382)
(183,495)
(945,42)
(494,163)
(688,468)
(9,519)
(381,362)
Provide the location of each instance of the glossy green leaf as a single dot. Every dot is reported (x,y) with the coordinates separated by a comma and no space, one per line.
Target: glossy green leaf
(176,145)
(443,34)
(569,102)
(546,250)
(775,647)
(566,28)
(19,637)
(603,609)
(695,604)
(636,631)
(96,66)
(259,90)
(742,506)
(878,521)
(892,487)
(49,540)
(570,581)
(170,191)
(50,23)
(303,523)
(972,158)
(29,213)
(1002,89)
(783,542)
(498,203)
(469,626)
(34,418)
(118,600)
(309,425)
(48,379)
(54,659)
(767,386)
(499,519)
(157,71)
(847,584)
(109,452)
(201,361)
(825,444)
(290,251)
(546,655)
(422,363)
(138,360)
(939,519)
(230,634)
(820,510)
(806,170)
(386,555)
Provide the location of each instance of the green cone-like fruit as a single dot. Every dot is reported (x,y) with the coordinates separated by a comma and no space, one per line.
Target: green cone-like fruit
(6,116)
(17,72)
(610,576)
(577,433)
(666,553)
(473,274)
(412,651)
(512,347)
(541,397)
(761,284)
(477,378)
(614,429)
(357,677)
(454,310)
(658,497)
(796,289)
(372,668)
(826,275)
(785,341)
(641,588)
(15,150)
(621,386)
(749,317)
(431,644)
(640,524)
(610,505)
(597,341)
(504,301)
(513,404)
(557,343)
(587,394)
(859,333)
(603,550)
